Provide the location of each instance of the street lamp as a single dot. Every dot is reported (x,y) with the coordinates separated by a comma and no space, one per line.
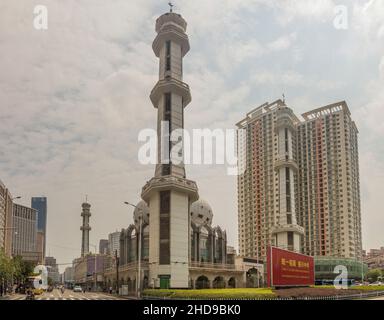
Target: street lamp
(138,282)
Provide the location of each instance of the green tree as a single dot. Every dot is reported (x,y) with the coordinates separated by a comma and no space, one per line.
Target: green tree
(374,274)
(5,266)
(22,269)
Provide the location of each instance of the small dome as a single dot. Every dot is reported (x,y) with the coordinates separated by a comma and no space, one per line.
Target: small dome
(201,213)
(141,208)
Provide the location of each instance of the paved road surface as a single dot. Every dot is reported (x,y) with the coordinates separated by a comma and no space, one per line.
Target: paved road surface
(68,295)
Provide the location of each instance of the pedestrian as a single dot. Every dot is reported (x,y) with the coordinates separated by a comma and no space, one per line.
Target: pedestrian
(110,290)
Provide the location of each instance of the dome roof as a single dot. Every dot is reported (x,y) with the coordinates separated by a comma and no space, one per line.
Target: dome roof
(201,213)
(141,208)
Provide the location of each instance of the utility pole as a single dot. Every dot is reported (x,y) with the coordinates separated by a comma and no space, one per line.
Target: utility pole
(117,272)
(139,258)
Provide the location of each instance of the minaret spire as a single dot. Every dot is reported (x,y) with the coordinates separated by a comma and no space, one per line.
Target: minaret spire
(85,228)
(170,6)
(169,193)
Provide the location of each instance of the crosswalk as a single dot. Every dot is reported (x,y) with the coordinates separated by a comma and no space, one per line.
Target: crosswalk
(65,297)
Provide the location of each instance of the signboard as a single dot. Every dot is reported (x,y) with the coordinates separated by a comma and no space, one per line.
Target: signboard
(289,269)
(124,290)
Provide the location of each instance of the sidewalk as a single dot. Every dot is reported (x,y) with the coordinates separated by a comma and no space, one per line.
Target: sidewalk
(120,296)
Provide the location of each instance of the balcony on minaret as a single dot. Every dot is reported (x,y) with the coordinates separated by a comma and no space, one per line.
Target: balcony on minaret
(286,163)
(171,26)
(170,85)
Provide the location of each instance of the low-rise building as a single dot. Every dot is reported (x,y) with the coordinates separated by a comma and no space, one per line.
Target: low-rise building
(69,276)
(374,258)
(89,271)
(53,269)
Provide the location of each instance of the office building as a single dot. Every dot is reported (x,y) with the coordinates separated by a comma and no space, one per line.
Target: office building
(6,228)
(114,243)
(104,246)
(24,242)
(40,204)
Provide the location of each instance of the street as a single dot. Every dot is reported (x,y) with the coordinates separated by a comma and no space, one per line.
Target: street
(68,295)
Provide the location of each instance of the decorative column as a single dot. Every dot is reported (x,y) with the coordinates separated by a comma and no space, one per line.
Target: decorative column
(286,233)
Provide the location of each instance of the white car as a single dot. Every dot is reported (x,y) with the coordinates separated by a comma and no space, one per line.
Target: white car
(77,289)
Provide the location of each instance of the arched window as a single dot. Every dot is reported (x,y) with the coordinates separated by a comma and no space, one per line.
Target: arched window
(204,245)
(133,247)
(218,246)
(145,252)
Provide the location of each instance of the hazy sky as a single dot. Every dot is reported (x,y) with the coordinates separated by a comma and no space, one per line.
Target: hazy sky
(73,98)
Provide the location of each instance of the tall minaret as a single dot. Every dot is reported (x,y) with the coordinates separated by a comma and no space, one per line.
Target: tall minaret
(169,194)
(287,233)
(85,228)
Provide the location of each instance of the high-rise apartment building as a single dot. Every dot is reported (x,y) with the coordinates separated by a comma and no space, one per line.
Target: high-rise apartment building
(328,192)
(301,177)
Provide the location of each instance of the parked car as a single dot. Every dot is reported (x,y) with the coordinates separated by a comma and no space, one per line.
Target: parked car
(377,283)
(77,289)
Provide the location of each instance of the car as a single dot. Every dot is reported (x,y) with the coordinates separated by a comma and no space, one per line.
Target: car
(378,283)
(77,289)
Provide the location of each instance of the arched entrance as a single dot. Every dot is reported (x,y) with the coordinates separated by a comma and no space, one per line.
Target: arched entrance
(130,286)
(252,278)
(232,283)
(202,282)
(218,283)
(145,282)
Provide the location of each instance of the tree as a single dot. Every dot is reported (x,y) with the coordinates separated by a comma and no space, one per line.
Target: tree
(374,274)
(5,266)
(22,269)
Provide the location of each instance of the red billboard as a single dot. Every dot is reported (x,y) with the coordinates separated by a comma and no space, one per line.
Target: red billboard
(289,269)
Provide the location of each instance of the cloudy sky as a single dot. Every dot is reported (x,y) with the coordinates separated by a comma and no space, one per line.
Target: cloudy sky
(73,98)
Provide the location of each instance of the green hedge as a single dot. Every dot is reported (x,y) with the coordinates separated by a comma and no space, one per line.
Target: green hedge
(246,293)
(368,288)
